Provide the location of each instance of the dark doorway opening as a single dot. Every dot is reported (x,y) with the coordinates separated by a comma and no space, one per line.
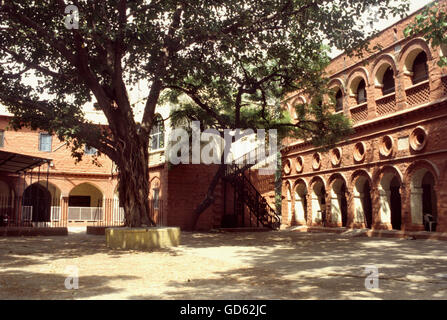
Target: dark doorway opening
(38,198)
(395,204)
(367,205)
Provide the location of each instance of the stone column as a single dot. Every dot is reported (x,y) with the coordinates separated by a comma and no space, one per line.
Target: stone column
(299,210)
(64,210)
(415,219)
(335,210)
(358,212)
(441,194)
(316,210)
(308,212)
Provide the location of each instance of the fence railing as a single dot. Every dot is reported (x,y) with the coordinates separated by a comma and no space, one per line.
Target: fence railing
(41,212)
(85,214)
(31,212)
(114,213)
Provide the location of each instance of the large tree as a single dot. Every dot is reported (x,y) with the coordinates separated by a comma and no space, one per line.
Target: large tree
(232,58)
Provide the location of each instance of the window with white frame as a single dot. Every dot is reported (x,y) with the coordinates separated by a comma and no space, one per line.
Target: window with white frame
(157,134)
(45,142)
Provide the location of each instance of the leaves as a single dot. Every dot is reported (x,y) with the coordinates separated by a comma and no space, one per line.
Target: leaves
(432,24)
(236,61)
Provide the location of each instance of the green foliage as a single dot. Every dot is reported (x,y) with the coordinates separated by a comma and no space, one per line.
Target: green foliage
(431,22)
(235,60)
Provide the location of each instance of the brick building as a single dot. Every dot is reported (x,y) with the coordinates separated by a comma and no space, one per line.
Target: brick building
(59,191)
(391,173)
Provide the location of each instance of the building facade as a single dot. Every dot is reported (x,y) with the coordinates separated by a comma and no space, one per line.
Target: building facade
(62,192)
(391,173)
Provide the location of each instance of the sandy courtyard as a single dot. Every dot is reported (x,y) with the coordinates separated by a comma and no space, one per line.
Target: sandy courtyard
(274,265)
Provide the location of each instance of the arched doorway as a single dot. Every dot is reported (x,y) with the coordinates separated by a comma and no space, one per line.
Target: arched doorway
(318,202)
(36,205)
(301,203)
(339,204)
(390,200)
(423,199)
(85,203)
(362,202)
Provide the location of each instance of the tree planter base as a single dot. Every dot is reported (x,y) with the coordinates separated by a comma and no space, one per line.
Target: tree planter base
(142,238)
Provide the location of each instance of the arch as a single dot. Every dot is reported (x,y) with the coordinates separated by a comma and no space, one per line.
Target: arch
(300,192)
(390,200)
(297,100)
(85,195)
(358,89)
(360,72)
(301,181)
(426,164)
(36,206)
(54,190)
(155,182)
(362,202)
(359,173)
(318,200)
(300,99)
(411,50)
(338,201)
(315,179)
(423,176)
(381,65)
(336,176)
(337,82)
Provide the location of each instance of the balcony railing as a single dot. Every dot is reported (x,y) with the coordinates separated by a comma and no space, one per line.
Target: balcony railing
(359,113)
(418,94)
(386,104)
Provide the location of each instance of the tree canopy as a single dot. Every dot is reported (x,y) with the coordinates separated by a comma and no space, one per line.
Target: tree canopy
(235,60)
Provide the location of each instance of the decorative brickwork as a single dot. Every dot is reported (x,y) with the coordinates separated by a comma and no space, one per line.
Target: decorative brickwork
(393,168)
(359,113)
(418,94)
(444,85)
(386,105)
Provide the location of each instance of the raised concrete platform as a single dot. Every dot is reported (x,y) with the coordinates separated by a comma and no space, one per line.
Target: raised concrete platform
(142,238)
(32,231)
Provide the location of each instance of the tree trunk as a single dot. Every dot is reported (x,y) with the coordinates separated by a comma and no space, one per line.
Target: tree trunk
(133,185)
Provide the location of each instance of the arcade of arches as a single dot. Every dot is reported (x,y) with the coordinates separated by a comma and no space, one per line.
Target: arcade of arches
(385,199)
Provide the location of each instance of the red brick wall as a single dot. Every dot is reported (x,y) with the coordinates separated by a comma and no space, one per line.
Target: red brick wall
(428,111)
(188,185)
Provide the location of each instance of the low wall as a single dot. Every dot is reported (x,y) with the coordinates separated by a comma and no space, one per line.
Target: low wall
(142,238)
(32,232)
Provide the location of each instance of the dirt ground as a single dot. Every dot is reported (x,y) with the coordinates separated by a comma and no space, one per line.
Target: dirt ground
(273,265)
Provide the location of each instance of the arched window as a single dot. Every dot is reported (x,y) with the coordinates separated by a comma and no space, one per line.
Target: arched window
(339,100)
(388,81)
(157,134)
(361,92)
(420,68)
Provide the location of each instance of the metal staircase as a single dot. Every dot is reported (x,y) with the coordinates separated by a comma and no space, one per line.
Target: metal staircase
(248,197)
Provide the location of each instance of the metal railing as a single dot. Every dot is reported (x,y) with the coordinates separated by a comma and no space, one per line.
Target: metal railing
(85,213)
(31,212)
